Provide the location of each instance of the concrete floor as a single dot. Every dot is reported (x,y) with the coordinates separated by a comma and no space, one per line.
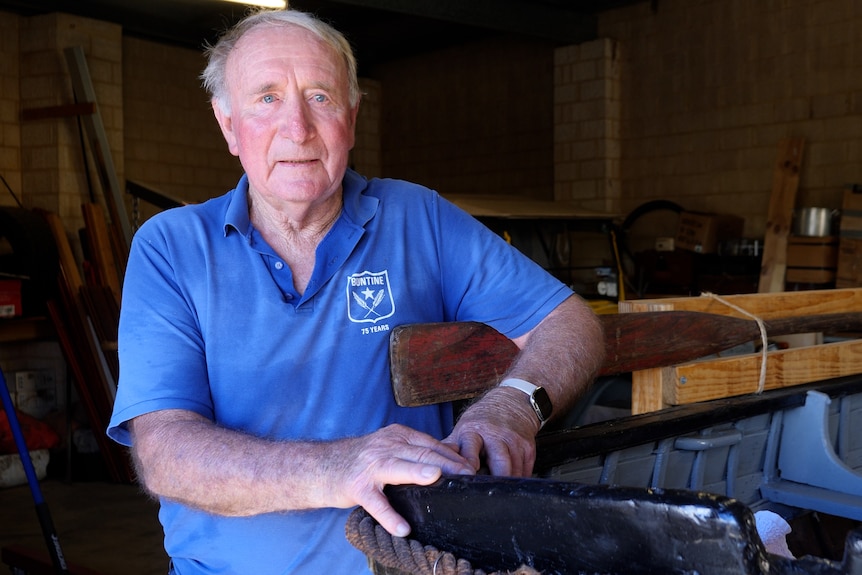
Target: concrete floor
(109,528)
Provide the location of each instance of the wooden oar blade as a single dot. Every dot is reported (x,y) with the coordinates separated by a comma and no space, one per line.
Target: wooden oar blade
(439,362)
(635,341)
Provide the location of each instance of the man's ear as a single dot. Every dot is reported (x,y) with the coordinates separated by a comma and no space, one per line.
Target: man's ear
(226,124)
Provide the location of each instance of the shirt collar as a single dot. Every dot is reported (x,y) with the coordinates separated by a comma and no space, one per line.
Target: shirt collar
(358,207)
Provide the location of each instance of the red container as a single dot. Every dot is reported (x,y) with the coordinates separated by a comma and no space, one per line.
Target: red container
(10,298)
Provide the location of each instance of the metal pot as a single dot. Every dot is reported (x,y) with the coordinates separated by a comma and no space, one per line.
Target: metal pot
(815,222)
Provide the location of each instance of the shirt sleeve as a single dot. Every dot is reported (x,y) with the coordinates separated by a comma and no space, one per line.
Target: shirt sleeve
(487,279)
(160,345)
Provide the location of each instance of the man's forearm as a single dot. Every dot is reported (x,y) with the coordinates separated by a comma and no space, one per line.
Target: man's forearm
(185,457)
(563,353)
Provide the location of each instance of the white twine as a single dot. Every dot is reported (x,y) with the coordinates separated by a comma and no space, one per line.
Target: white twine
(761,384)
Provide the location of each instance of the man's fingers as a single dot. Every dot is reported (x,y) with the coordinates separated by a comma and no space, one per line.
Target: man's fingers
(378,507)
(398,472)
(470,446)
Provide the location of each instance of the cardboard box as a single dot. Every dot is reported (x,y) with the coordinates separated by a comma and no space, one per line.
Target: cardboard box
(811,260)
(851,213)
(805,252)
(701,232)
(849,274)
(36,392)
(10,298)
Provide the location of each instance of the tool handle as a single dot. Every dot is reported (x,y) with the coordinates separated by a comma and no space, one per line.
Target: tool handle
(42,512)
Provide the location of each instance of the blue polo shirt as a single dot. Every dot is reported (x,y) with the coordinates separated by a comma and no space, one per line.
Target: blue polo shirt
(211,323)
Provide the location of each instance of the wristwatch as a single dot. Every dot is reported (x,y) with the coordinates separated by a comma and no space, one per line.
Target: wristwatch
(539,399)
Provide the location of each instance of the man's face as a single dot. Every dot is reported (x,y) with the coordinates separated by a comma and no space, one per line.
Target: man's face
(290,120)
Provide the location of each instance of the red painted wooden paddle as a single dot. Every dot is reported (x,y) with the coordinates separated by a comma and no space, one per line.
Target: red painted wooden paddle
(437,362)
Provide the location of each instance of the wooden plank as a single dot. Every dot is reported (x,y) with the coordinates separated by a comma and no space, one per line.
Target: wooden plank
(98,140)
(101,251)
(104,313)
(810,275)
(513,207)
(68,263)
(63,111)
(763,305)
(731,376)
(648,390)
(780,216)
(25,329)
(83,354)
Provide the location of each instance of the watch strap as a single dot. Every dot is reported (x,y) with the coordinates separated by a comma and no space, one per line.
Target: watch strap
(530,389)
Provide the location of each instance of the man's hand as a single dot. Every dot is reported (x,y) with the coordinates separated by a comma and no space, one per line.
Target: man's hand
(499,431)
(561,354)
(184,456)
(394,455)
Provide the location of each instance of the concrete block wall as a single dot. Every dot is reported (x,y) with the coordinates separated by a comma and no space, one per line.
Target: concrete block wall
(709,87)
(704,90)
(473,119)
(53,164)
(10,125)
(587,112)
(157,118)
(173,142)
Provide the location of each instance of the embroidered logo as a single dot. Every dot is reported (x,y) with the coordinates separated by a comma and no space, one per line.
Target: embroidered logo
(369,297)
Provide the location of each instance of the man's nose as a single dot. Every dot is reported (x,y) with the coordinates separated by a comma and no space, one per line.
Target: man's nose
(295,121)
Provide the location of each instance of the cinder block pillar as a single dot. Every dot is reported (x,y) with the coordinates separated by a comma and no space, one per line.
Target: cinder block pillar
(10,128)
(587,124)
(54,172)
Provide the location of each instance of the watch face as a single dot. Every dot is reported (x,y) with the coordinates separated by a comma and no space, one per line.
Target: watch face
(542,403)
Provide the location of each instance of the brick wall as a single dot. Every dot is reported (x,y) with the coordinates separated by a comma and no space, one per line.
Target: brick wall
(587,112)
(709,87)
(54,167)
(173,142)
(704,90)
(10,126)
(476,119)
(156,115)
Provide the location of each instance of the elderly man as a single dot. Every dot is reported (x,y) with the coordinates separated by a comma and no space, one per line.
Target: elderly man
(254,386)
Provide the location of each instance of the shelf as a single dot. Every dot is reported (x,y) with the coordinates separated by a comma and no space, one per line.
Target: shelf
(25,329)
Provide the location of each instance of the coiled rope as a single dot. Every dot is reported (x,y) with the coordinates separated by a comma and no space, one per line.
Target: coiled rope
(408,556)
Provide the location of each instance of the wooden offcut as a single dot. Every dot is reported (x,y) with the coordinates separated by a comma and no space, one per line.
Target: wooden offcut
(101,251)
(98,140)
(780,216)
(76,315)
(732,376)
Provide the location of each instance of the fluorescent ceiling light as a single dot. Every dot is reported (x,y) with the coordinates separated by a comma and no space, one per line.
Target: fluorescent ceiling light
(280,4)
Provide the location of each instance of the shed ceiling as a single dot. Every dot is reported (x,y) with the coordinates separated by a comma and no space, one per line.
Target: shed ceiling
(380,30)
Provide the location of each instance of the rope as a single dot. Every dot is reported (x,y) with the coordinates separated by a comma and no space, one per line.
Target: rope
(761,384)
(408,556)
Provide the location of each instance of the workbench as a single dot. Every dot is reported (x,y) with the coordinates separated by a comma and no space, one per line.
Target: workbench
(546,220)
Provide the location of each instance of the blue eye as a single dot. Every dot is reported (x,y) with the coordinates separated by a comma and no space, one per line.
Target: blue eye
(268,99)
(320,98)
